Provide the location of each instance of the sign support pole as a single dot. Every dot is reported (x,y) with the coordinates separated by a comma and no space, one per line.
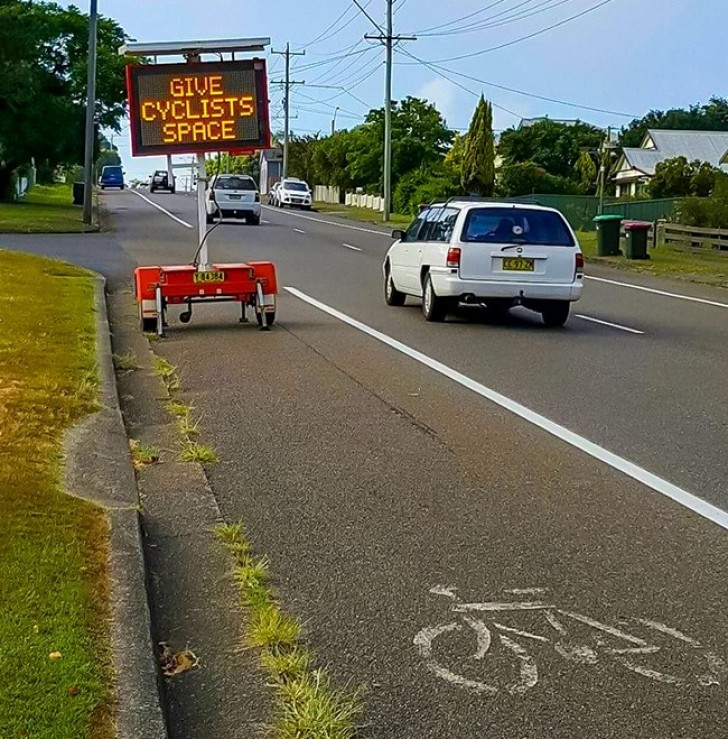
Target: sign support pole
(202,213)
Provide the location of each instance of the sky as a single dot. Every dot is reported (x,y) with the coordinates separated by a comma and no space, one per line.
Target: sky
(623,57)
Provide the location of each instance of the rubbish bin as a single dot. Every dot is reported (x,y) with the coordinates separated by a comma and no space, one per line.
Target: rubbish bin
(608,227)
(78,190)
(635,233)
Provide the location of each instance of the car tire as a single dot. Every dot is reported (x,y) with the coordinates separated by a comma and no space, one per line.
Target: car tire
(392,296)
(210,218)
(103,187)
(434,308)
(270,315)
(555,313)
(253,220)
(151,190)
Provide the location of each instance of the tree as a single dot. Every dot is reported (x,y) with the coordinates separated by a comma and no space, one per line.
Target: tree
(302,157)
(527,178)
(556,147)
(587,171)
(230,164)
(108,158)
(43,63)
(454,163)
(712,116)
(677,178)
(478,172)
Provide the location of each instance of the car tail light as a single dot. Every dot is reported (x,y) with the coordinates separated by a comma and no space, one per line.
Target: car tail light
(579,270)
(453,256)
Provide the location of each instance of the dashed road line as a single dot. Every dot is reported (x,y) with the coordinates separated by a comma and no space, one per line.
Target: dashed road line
(639,474)
(298,231)
(338,225)
(163,210)
(351,246)
(611,325)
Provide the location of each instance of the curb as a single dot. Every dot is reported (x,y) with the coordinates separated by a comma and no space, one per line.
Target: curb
(98,469)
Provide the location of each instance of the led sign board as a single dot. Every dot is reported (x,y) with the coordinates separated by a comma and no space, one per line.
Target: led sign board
(188,108)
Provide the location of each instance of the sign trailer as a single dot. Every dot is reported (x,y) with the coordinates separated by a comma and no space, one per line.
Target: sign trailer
(195,108)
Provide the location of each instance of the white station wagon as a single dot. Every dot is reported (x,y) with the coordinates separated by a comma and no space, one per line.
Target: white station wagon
(486,253)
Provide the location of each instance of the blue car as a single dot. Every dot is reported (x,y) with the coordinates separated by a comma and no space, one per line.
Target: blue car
(112,177)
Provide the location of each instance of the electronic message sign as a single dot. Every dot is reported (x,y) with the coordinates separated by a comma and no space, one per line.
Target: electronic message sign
(188,108)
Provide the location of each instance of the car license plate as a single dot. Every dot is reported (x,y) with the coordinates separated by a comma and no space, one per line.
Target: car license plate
(234,197)
(206,277)
(518,264)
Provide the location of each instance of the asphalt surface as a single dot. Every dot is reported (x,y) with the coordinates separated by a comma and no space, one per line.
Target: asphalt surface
(369,480)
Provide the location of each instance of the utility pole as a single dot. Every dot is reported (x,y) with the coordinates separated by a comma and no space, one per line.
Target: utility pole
(388,38)
(603,166)
(287,84)
(88,161)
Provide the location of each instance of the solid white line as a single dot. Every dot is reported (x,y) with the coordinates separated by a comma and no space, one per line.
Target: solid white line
(652,290)
(611,325)
(658,484)
(298,231)
(166,212)
(332,223)
(350,246)
(263,221)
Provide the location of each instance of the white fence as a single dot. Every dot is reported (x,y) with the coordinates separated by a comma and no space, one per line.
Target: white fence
(326,194)
(373,202)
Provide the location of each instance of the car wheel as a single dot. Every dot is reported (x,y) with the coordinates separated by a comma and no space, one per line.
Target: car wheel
(392,296)
(103,187)
(555,313)
(270,315)
(434,308)
(210,218)
(254,220)
(151,190)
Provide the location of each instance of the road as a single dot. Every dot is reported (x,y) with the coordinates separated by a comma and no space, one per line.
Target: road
(423,500)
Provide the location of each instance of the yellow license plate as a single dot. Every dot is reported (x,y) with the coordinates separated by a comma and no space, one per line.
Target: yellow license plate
(206,277)
(518,264)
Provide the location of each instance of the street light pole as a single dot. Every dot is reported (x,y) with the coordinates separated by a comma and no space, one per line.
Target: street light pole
(333,122)
(88,163)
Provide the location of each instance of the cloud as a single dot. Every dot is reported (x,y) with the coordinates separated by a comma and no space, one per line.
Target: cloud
(443,95)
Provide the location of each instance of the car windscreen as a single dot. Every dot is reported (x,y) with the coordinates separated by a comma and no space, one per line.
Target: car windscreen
(298,186)
(235,183)
(516,226)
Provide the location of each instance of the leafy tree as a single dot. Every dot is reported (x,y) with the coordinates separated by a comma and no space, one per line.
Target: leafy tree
(712,116)
(108,158)
(587,171)
(43,65)
(478,172)
(302,157)
(230,164)
(331,161)
(673,178)
(526,178)
(556,147)
(454,163)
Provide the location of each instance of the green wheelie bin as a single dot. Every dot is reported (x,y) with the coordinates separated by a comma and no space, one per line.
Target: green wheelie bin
(608,228)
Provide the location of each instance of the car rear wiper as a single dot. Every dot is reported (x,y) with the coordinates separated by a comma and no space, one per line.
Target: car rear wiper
(513,245)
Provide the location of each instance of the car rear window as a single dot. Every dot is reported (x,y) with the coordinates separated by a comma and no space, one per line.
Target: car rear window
(111,170)
(516,225)
(235,183)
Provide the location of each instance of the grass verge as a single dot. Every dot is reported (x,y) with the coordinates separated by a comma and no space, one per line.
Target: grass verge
(706,267)
(306,705)
(126,362)
(44,210)
(366,215)
(53,551)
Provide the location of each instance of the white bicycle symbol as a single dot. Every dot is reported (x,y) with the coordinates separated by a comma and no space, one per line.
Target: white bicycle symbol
(629,654)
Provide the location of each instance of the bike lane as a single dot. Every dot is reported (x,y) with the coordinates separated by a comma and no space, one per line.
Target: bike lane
(408,521)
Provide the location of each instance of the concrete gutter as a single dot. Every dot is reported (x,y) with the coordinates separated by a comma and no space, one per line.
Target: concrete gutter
(98,469)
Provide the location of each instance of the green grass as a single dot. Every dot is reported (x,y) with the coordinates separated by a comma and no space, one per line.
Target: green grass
(126,362)
(168,373)
(53,549)
(143,455)
(366,215)
(43,210)
(700,266)
(306,704)
(200,453)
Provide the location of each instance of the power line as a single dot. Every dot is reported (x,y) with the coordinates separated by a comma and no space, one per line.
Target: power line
(528,36)
(463,18)
(363,8)
(322,36)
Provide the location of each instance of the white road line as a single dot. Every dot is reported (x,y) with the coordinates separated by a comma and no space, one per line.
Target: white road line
(166,212)
(264,221)
(351,246)
(332,223)
(298,231)
(658,484)
(652,290)
(611,325)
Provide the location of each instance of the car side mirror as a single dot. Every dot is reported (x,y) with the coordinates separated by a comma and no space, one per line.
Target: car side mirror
(398,234)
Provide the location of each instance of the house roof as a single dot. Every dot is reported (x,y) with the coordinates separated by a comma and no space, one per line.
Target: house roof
(659,145)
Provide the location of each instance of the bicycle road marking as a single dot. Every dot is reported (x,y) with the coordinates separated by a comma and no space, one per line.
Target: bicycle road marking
(649,479)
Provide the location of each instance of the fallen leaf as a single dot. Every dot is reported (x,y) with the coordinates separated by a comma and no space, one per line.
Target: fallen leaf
(175,663)
(36,629)
(55,655)
(73,690)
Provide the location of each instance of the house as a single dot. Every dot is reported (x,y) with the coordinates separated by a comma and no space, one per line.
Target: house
(271,169)
(636,166)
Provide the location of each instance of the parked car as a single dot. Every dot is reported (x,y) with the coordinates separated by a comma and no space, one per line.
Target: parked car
(495,254)
(160,181)
(273,194)
(294,193)
(112,176)
(233,196)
